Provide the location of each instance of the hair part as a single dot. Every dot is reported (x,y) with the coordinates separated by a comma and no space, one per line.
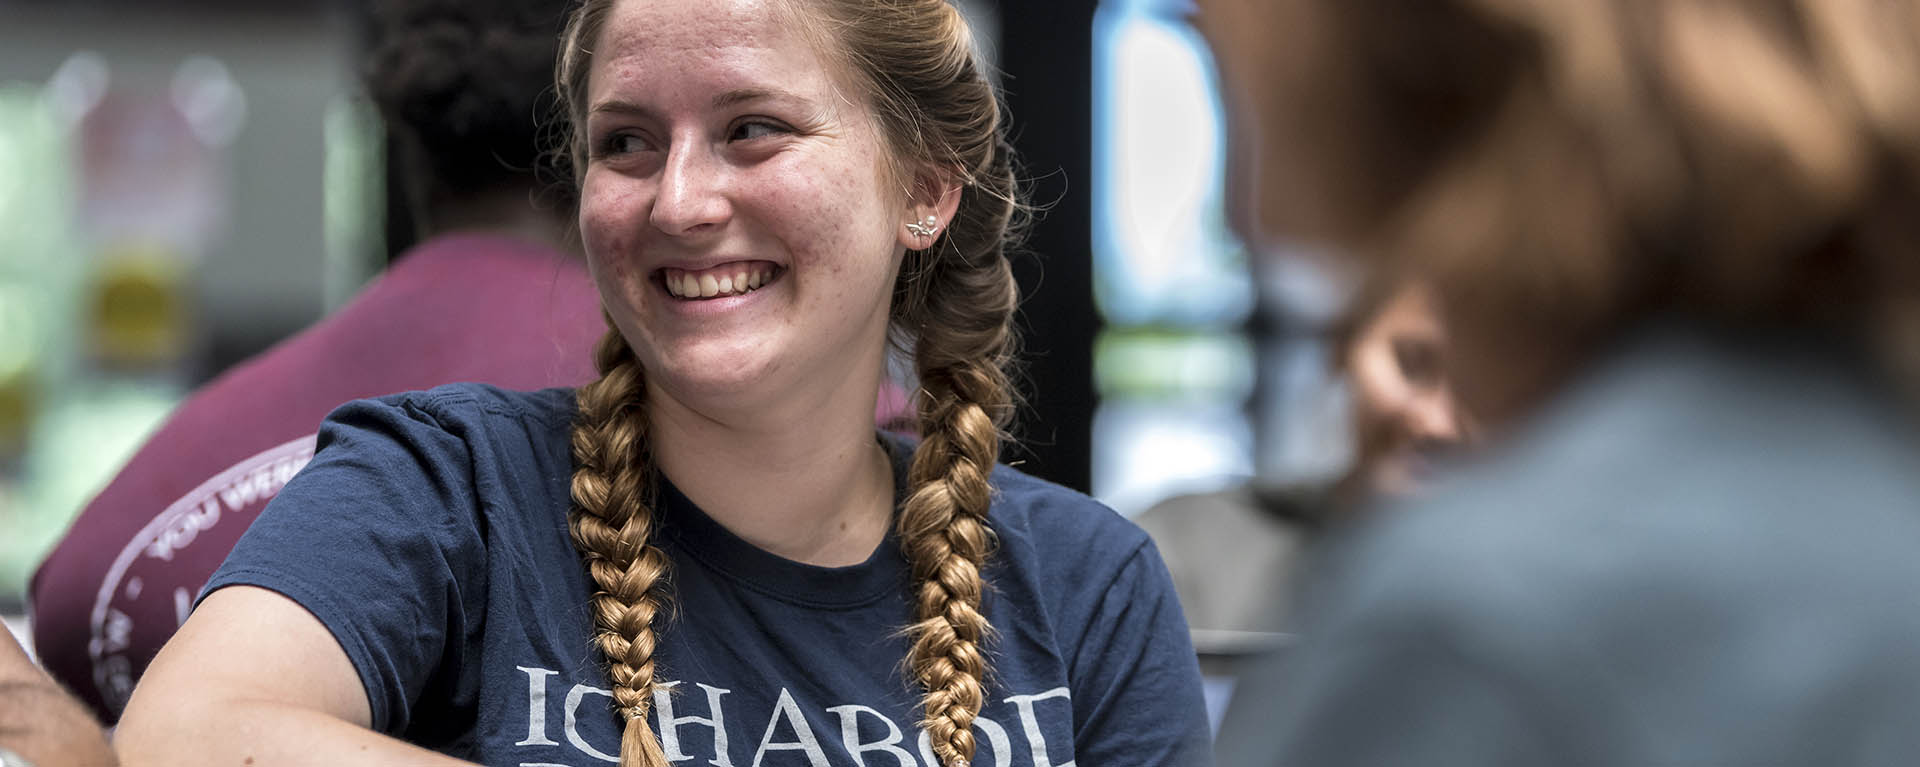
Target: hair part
(952,312)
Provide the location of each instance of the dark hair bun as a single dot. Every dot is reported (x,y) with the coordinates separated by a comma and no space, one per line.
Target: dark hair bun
(469,81)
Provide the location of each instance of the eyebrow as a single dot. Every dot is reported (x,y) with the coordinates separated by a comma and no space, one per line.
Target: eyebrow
(740,96)
(620,108)
(725,100)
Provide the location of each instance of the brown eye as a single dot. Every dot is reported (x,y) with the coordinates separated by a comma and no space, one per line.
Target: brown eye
(622,143)
(754,129)
(1419,361)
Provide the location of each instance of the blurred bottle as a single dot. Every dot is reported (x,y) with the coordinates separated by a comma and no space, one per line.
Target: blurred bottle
(148,163)
(36,264)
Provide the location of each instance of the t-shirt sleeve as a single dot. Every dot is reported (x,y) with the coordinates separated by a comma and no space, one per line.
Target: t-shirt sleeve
(378,537)
(1136,681)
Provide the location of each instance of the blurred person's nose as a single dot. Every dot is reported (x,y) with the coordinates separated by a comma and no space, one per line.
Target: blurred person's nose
(1432,417)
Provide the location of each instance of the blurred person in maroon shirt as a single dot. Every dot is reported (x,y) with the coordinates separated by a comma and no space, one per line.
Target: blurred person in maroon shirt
(493,293)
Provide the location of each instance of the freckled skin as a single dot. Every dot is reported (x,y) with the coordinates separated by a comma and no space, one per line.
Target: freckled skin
(809,194)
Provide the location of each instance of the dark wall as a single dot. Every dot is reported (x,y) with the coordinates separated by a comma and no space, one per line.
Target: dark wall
(1046,54)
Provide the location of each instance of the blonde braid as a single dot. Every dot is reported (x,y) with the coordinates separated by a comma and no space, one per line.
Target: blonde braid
(961,353)
(954,304)
(611,523)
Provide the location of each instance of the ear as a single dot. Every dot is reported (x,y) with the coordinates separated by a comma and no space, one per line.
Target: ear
(936,198)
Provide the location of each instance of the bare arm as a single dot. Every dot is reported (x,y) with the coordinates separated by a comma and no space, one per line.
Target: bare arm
(39,721)
(253,678)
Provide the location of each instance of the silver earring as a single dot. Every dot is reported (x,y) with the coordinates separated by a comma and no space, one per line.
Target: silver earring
(924,228)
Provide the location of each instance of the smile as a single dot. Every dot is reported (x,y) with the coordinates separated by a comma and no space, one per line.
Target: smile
(731,279)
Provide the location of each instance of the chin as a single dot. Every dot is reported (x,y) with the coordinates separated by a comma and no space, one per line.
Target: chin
(714,379)
(1392,478)
(710,370)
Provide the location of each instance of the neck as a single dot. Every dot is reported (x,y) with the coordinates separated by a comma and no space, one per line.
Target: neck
(811,484)
(510,213)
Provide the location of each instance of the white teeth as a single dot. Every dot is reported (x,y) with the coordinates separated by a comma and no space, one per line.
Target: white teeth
(682,284)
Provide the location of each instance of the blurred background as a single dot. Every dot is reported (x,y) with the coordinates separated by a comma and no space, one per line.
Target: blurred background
(183,184)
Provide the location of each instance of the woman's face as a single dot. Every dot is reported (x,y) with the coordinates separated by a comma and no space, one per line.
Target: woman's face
(736,208)
(1403,402)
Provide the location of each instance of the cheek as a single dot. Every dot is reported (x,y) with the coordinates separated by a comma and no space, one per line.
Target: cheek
(1380,393)
(609,217)
(838,221)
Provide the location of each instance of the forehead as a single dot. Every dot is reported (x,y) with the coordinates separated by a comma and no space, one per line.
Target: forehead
(648,45)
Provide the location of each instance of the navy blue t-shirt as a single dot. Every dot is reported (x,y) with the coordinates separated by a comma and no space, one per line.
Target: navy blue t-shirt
(429,534)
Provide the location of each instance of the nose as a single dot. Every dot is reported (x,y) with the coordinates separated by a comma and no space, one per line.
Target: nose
(1435,419)
(691,197)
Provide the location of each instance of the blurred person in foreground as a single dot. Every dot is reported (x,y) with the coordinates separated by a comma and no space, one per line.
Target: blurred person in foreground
(1675,245)
(40,725)
(1233,552)
(493,293)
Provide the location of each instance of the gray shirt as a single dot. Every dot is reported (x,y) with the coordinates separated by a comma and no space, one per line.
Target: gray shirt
(1705,553)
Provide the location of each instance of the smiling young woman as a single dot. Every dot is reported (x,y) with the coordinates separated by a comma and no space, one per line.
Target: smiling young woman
(774,195)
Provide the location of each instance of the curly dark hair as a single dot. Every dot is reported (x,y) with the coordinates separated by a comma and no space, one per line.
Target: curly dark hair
(465,87)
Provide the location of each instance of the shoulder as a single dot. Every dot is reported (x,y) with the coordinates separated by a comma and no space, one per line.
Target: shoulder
(467,407)
(1027,506)
(1635,517)
(491,429)
(1063,535)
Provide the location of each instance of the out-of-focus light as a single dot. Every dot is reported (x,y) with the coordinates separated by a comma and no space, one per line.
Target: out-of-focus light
(20,311)
(77,87)
(1167,365)
(212,102)
(12,172)
(353,198)
(1144,453)
(1163,250)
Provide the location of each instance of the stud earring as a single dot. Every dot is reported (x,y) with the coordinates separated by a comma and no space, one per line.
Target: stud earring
(924,228)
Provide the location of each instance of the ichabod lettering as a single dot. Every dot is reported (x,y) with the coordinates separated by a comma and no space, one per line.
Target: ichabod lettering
(669,728)
(850,735)
(536,707)
(870,737)
(803,734)
(574,697)
(1030,722)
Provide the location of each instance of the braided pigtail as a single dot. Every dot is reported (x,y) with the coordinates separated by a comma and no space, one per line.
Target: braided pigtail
(953,308)
(611,520)
(610,523)
(943,528)
(958,297)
